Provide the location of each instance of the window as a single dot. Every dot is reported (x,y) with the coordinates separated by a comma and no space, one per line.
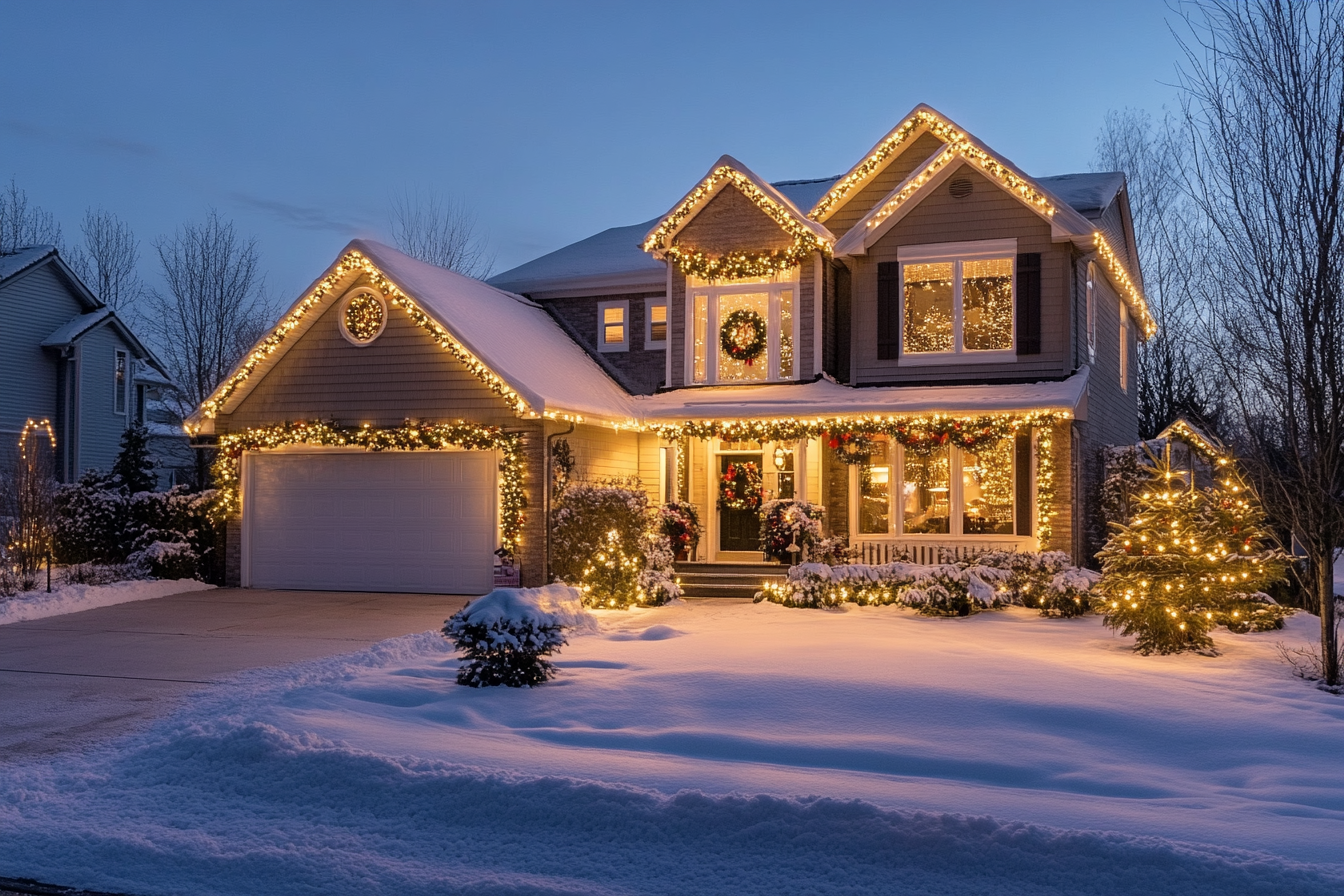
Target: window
(948,491)
(1091,311)
(957,299)
(1124,347)
(753,316)
(613,326)
(121,376)
(655,323)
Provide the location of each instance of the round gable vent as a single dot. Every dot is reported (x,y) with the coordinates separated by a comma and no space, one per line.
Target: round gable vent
(961,187)
(363,318)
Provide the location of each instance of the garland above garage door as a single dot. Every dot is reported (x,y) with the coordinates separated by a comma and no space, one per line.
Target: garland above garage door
(411,436)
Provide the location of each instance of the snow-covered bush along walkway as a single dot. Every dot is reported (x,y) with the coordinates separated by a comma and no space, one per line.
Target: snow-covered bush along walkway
(722,748)
(28,605)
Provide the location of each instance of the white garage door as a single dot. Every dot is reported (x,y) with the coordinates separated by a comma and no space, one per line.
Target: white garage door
(359,521)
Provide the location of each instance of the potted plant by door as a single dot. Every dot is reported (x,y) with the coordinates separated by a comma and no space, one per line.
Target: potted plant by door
(681,524)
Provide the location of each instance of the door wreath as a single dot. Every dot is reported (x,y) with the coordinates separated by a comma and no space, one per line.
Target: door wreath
(740,487)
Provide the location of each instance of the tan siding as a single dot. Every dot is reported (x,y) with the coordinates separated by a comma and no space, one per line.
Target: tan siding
(403,374)
(888,179)
(730,222)
(601,453)
(988,213)
(700,493)
(648,447)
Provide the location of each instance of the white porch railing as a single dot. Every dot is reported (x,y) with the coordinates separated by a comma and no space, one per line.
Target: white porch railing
(931,551)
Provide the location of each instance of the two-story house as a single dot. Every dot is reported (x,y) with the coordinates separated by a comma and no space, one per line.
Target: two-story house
(931,345)
(67,358)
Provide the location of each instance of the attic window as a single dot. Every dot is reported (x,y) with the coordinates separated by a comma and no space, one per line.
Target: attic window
(961,187)
(363,318)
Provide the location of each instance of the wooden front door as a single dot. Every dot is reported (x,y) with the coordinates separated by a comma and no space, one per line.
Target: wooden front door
(739,530)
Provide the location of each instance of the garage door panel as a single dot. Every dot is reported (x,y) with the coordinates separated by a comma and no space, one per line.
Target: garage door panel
(389,521)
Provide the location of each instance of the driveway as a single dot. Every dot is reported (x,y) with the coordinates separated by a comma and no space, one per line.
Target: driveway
(69,681)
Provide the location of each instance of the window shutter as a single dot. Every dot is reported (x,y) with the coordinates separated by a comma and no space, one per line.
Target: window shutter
(1022,475)
(1029,303)
(888,310)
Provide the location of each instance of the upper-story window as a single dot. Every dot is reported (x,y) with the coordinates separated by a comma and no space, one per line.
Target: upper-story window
(743,330)
(120,377)
(655,323)
(957,299)
(613,326)
(1091,311)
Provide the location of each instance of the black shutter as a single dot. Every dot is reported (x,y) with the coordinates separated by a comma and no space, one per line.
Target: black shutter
(1029,303)
(888,310)
(1022,475)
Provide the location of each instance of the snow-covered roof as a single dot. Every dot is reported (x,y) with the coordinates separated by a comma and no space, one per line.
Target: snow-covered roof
(612,261)
(1088,194)
(148,375)
(827,398)
(17,262)
(76,327)
(513,338)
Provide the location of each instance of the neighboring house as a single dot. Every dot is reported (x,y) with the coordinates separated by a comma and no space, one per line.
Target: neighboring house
(68,358)
(932,346)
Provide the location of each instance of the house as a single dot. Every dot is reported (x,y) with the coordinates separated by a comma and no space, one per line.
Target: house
(67,358)
(932,345)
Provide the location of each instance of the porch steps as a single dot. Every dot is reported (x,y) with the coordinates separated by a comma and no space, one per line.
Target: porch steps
(726,579)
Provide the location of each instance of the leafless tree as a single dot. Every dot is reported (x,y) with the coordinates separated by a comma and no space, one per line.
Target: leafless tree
(1172,241)
(212,310)
(442,232)
(27,503)
(1263,98)
(107,261)
(22,225)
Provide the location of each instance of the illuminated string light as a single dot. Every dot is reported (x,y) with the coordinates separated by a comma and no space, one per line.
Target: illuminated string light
(412,436)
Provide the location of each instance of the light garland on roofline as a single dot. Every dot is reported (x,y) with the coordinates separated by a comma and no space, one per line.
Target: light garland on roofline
(693,262)
(1127,285)
(353,262)
(411,436)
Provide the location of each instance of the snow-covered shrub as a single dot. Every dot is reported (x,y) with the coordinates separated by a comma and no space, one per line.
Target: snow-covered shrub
(97,522)
(1069,593)
(504,635)
(949,589)
(604,541)
(790,530)
(101,573)
(166,560)
(834,551)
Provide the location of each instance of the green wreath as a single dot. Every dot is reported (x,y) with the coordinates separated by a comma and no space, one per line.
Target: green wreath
(742,336)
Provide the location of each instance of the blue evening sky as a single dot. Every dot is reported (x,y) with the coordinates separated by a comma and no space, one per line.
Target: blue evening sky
(552,121)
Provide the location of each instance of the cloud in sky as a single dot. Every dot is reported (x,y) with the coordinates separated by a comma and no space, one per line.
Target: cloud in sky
(306,217)
(97,144)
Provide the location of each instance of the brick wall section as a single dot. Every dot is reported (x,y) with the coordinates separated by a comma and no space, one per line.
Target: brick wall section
(836,494)
(638,369)
(1062,532)
(233,553)
(730,222)
(677,332)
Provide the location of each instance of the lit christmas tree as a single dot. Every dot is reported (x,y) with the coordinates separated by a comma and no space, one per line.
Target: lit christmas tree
(1190,559)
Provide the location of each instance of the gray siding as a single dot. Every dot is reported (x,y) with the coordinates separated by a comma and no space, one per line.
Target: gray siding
(988,213)
(35,305)
(402,374)
(886,180)
(100,427)
(639,370)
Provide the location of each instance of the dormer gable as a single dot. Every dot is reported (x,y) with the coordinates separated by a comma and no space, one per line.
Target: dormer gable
(732,225)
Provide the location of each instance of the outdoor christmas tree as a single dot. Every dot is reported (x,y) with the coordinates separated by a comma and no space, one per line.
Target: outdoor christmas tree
(1190,559)
(134,468)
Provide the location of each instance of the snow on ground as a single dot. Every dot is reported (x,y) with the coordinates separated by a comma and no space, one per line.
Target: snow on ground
(722,747)
(28,605)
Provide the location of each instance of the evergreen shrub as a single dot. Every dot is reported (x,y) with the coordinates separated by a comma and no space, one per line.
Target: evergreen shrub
(505,636)
(606,542)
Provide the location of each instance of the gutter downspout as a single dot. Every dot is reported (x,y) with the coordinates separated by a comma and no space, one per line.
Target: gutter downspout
(546,495)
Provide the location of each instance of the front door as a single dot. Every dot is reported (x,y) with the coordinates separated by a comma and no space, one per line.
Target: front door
(740,527)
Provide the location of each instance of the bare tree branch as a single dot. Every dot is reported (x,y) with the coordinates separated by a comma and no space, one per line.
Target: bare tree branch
(22,226)
(107,261)
(441,232)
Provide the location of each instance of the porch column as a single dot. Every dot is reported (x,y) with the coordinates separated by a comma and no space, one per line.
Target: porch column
(800,470)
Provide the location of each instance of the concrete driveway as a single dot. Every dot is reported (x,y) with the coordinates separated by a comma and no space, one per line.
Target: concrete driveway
(70,681)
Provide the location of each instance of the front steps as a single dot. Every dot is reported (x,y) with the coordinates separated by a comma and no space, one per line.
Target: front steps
(726,579)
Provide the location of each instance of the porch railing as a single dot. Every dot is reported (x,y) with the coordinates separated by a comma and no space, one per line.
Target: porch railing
(927,551)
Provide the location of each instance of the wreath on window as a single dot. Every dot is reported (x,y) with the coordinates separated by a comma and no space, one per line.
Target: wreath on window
(740,487)
(742,336)
(852,447)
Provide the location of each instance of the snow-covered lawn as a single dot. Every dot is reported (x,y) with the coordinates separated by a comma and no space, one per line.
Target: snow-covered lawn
(73,598)
(722,748)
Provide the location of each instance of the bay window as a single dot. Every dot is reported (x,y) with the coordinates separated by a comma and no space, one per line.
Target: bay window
(743,331)
(957,300)
(946,491)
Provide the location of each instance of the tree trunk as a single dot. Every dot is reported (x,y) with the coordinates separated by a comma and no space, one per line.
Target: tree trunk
(1325,587)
